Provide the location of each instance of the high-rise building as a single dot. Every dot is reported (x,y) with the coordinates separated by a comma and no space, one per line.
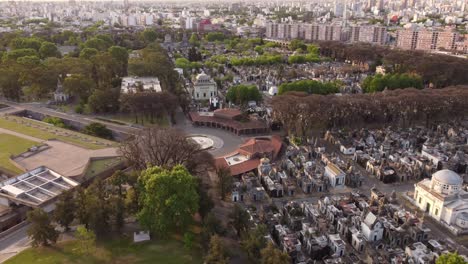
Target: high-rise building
(369,34)
(424,39)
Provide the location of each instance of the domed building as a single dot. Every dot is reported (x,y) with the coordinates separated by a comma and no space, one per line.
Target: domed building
(204,87)
(443,198)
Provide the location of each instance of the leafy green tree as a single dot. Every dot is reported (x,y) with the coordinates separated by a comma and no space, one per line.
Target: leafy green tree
(150,35)
(120,55)
(273,255)
(450,258)
(62,213)
(10,85)
(254,241)
(98,130)
(79,85)
(194,41)
(215,36)
(41,230)
(98,207)
(239,219)
(216,253)
(26,43)
(242,94)
(82,206)
(48,49)
(309,86)
(297,44)
(86,240)
(225,182)
(98,43)
(189,239)
(88,53)
(29,61)
(104,101)
(168,199)
(13,55)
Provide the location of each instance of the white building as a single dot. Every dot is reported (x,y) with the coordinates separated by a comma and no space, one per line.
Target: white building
(204,87)
(335,175)
(140,84)
(372,229)
(336,245)
(443,199)
(418,253)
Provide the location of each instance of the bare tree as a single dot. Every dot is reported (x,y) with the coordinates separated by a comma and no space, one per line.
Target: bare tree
(165,147)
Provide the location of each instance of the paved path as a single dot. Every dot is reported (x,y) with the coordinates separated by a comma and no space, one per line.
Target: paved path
(14,243)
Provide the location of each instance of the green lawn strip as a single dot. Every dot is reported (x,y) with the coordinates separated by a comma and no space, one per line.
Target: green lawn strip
(100,165)
(13,145)
(130,119)
(114,251)
(38,133)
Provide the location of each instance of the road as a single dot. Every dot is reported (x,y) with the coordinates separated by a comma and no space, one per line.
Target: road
(13,243)
(40,108)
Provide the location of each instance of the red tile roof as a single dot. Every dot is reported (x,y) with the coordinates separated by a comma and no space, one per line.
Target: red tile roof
(261,145)
(239,168)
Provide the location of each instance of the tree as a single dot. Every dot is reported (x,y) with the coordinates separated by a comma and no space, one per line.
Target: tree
(120,55)
(216,253)
(272,255)
(41,230)
(205,201)
(225,182)
(150,35)
(88,53)
(98,207)
(98,130)
(48,49)
(194,41)
(82,205)
(118,179)
(168,199)
(62,213)
(189,239)
(254,241)
(450,258)
(104,101)
(239,219)
(297,44)
(86,240)
(242,94)
(79,85)
(165,147)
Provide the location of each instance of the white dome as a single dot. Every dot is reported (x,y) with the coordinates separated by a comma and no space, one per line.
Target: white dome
(203,77)
(447,177)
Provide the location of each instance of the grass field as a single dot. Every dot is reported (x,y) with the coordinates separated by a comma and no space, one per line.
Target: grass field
(116,251)
(73,137)
(98,166)
(12,145)
(130,119)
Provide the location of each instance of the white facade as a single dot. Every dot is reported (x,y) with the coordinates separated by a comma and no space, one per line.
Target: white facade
(443,199)
(335,175)
(372,229)
(347,150)
(204,88)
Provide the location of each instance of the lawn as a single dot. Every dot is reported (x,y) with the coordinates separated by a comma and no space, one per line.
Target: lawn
(116,251)
(130,119)
(100,165)
(12,145)
(49,132)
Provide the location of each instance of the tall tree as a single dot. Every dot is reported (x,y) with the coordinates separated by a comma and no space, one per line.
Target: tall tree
(216,253)
(168,199)
(62,213)
(450,258)
(86,240)
(254,241)
(99,209)
(239,219)
(165,147)
(41,230)
(225,182)
(273,255)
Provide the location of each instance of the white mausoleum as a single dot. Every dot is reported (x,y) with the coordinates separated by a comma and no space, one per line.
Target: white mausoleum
(443,199)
